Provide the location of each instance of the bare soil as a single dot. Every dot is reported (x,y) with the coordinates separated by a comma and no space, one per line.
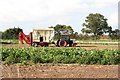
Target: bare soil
(85,46)
(59,71)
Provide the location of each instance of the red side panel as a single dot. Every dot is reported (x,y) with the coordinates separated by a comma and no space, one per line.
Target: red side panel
(22,36)
(29,36)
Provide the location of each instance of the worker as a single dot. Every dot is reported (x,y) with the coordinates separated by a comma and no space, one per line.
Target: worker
(41,38)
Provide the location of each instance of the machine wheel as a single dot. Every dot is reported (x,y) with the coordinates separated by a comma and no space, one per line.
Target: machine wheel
(62,43)
(70,43)
(46,44)
(58,43)
(34,44)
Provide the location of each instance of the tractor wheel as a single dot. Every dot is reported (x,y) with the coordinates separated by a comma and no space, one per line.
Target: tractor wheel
(70,43)
(58,43)
(62,43)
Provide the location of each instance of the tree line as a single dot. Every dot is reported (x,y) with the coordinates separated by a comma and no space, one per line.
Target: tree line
(94,27)
(11,33)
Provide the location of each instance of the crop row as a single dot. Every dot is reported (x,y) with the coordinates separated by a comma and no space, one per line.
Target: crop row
(59,55)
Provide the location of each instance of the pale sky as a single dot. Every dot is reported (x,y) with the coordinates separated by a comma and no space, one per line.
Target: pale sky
(28,14)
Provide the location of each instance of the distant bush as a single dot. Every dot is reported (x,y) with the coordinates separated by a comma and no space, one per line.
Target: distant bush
(9,41)
(85,37)
(1,35)
(11,33)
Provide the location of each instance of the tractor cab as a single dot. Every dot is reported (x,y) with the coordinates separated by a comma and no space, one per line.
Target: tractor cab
(65,40)
(65,37)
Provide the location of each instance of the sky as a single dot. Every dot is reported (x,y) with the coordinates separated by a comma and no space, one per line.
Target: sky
(29,14)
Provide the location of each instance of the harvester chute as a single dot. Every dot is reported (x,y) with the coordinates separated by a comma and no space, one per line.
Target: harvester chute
(23,36)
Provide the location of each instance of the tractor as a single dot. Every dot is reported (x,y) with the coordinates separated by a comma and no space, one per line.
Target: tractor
(65,40)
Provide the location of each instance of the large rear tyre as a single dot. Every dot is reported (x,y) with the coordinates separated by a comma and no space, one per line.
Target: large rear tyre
(58,43)
(62,43)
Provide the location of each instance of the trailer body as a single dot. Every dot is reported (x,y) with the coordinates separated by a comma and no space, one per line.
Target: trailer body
(43,34)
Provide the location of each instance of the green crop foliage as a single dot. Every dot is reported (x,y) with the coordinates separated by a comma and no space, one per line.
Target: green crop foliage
(59,55)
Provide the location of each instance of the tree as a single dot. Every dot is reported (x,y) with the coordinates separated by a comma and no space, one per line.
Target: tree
(75,35)
(58,28)
(86,31)
(95,24)
(11,33)
(1,34)
(115,34)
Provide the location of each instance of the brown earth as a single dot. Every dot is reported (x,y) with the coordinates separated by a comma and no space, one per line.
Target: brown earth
(59,71)
(85,46)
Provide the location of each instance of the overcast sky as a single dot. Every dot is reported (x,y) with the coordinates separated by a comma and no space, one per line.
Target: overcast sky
(28,14)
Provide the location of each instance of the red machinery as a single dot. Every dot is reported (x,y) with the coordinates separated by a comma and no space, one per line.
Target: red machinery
(23,36)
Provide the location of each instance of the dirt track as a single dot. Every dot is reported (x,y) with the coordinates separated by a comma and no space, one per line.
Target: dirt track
(85,46)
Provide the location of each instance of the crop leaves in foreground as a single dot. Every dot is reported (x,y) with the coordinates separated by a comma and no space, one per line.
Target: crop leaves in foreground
(59,55)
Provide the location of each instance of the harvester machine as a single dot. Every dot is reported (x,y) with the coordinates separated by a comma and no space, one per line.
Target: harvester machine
(44,37)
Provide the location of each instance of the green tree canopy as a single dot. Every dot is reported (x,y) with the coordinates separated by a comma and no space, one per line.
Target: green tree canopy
(58,28)
(95,24)
(115,34)
(11,33)
(1,34)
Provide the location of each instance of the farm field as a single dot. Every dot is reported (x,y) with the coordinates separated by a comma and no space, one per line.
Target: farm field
(61,70)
